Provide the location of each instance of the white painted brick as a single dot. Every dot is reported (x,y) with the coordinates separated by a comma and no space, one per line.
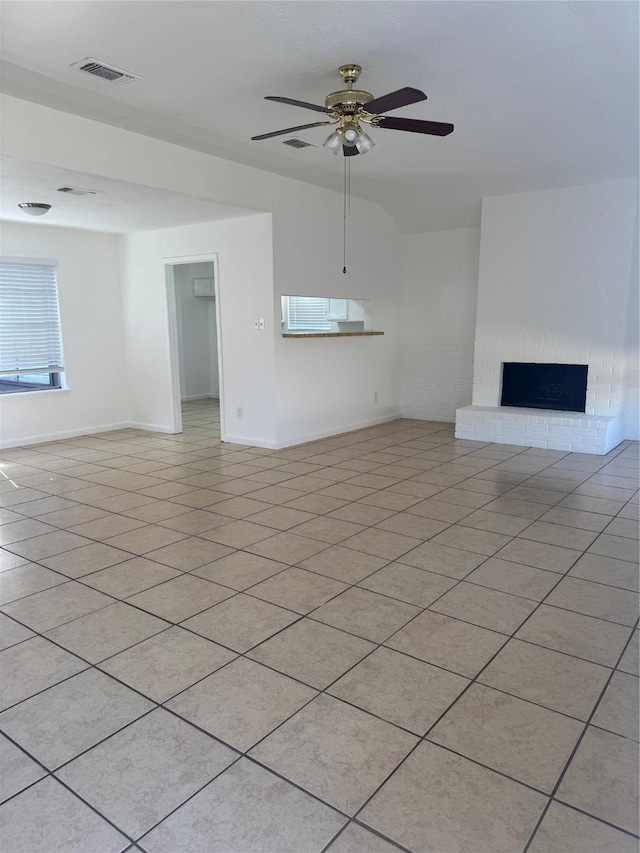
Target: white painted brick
(559,431)
(536,303)
(438,322)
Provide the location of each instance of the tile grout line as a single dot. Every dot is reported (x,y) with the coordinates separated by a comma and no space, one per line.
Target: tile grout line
(245,591)
(472,681)
(552,797)
(308,614)
(410,478)
(79,580)
(355,585)
(50,775)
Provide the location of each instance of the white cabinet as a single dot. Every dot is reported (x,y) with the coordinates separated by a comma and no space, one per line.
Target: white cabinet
(338,309)
(203,287)
(355,310)
(345,309)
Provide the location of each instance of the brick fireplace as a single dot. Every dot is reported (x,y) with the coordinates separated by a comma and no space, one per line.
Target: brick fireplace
(554,289)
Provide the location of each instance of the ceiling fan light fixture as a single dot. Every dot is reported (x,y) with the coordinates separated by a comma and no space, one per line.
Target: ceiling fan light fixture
(334,142)
(350,136)
(364,142)
(350,106)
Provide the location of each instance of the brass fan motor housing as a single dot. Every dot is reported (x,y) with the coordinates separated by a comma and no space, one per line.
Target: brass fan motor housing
(350,73)
(346,101)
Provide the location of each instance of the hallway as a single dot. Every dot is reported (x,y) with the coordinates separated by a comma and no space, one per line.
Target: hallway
(201,418)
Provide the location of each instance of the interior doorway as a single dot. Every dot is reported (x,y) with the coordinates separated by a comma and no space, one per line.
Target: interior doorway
(194,325)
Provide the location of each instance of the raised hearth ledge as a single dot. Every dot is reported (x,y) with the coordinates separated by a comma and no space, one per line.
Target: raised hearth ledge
(330,334)
(575,432)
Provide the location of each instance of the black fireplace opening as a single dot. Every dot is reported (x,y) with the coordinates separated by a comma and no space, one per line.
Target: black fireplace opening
(544,386)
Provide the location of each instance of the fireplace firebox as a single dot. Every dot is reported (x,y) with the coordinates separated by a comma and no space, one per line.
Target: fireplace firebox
(544,386)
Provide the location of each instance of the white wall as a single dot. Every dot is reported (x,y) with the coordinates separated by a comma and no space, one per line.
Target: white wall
(303,256)
(438,322)
(245,286)
(553,286)
(197,334)
(631,393)
(328,385)
(73,142)
(289,390)
(92,336)
(552,267)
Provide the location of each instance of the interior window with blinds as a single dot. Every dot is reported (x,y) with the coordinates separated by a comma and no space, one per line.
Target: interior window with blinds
(31,357)
(305,313)
(313,315)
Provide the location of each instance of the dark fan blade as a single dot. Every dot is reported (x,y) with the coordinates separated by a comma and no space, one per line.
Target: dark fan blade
(349,150)
(394,100)
(296,103)
(435,128)
(290,130)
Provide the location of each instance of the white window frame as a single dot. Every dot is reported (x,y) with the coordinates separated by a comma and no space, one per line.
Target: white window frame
(56,371)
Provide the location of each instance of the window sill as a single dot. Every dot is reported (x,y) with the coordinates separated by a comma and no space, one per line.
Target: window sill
(35,393)
(330,334)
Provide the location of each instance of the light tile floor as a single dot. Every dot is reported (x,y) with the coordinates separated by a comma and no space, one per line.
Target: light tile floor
(384,640)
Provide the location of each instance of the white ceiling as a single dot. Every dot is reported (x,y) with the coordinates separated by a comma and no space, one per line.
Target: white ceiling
(542,94)
(117,207)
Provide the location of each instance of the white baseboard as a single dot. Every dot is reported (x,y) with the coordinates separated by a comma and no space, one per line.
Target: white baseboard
(316,436)
(199,397)
(74,433)
(304,439)
(151,427)
(418,414)
(249,442)
(230,439)
(60,436)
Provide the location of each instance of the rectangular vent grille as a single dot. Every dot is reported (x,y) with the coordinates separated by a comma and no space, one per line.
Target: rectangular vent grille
(76,191)
(106,72)
(297,143)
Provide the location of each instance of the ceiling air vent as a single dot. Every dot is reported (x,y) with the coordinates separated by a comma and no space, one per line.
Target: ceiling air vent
(76,191)
(107,72)
(298,143)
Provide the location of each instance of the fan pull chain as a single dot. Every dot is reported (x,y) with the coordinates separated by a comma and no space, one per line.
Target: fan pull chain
(344,218)
(346,209)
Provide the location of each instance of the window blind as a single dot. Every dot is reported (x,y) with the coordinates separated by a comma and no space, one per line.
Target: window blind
(30,338)
(308,312)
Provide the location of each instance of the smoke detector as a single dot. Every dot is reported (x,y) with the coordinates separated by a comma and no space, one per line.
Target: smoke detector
(106,72)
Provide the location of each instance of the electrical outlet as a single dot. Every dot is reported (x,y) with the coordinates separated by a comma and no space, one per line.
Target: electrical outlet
(375,396)
(240,413)
(261,323)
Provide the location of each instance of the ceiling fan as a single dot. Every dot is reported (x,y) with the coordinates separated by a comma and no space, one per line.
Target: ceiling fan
(349,108)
